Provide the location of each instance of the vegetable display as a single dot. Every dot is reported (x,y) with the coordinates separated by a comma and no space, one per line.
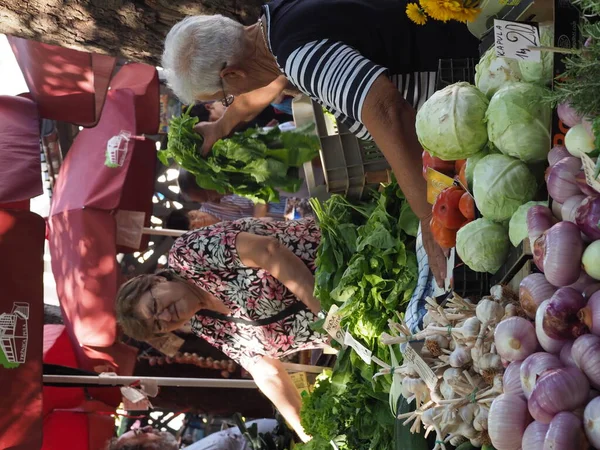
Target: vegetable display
(253,164)
(493,72)
(482,245)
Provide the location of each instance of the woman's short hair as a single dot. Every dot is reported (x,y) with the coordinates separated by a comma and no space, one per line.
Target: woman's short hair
(178,220)
(128,298)
(196,51)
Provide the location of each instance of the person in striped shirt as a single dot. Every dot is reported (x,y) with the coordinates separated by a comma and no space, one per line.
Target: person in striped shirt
(361,59)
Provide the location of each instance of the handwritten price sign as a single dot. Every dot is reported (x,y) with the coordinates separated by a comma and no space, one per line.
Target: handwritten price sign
(516,40)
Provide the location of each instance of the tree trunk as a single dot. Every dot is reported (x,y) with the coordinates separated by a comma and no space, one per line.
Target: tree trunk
(133,29)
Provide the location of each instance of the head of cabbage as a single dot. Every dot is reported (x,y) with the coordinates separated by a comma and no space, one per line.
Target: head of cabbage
(540,72)
(500,185)
(493,72)
(451,123)
(517,227)
(518,121)
(482,245)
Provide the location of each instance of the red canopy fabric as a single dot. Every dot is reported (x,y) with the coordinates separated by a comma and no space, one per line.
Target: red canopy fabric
(21,321)
(68,85)
(20,163)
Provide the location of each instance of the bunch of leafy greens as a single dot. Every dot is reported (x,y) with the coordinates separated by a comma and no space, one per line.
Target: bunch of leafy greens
(342,408)
(367,266)
(254,163)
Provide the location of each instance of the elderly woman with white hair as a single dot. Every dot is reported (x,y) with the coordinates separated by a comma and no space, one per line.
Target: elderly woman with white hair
(364,60)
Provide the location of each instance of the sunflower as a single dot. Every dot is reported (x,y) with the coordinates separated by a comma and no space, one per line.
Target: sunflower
(416,14)
(445,10)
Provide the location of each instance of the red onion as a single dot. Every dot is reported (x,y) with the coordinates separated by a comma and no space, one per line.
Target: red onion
(587,217)
(534,436)
(561,179)
(568,208)
(591,290)
(556,209)
(562,248)
(533,290)
(507,420)
(586,354)
(560,318)
(568,115)
(515,339)
(549,344)
(533,367)
(539,219)
(557,153)
(566,355)
(511,381)
(583,282)
(590,314)
(591,421)
(566,433)
(582,183)
(558,390)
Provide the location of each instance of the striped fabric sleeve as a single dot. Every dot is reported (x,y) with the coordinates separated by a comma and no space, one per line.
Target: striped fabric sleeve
(336,74)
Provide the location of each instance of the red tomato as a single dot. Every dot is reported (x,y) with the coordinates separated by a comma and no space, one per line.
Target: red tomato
(445,167)
(446,208)
(442,235)
(466,205)
(462,176)
(458,165)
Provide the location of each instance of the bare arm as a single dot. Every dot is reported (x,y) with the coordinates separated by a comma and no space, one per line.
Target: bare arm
(269,254)
(391,121)
(260,210)
(273,380)
(244,108)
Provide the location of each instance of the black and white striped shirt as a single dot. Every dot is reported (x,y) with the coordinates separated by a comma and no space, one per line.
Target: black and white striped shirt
(334,50)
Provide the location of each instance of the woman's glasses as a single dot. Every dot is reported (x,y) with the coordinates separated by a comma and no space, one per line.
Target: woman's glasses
(227,100)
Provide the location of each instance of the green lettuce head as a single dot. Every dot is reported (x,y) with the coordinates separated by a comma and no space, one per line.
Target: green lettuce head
(493,72)
(541,72)
(482,245)
(451,124)
(500,185)
(518,122)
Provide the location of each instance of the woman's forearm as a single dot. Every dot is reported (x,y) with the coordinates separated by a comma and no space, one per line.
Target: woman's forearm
(273,380)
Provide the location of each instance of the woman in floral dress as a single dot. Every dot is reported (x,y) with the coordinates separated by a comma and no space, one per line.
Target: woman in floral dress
(247,288)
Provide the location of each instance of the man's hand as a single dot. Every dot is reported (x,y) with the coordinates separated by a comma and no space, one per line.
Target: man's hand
(435,254)
(211,132)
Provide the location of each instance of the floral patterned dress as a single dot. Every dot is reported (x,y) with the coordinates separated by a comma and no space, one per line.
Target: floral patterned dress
(208,257)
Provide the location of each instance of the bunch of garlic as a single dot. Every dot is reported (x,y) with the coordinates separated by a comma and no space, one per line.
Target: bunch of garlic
(459,348)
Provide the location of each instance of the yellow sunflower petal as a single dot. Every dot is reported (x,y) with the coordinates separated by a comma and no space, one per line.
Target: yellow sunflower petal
(416,14)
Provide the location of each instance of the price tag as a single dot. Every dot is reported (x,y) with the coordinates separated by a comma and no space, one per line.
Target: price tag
(332,325)
(588,168)
(421,367)
(515,40)
(132,394)
(300,381)
(436,183)
(361,350)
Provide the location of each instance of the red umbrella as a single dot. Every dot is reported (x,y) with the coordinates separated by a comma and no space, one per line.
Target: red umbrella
(20,177)
(82,228)
(21,320)
(68,85)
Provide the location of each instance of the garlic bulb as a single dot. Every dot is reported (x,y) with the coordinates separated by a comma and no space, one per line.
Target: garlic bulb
(447,391)
(489,312)
(480,422)
(468,412)
(459,357)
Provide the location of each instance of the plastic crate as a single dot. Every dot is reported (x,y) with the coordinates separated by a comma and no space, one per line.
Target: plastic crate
(452,71)
(470,284)
(351,167)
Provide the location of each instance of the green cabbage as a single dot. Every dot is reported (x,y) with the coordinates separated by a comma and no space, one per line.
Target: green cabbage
(500,185)
(482,245)
(540,72)
(471,163)
(493,72)
(451,124)
(518,121)
(517,227)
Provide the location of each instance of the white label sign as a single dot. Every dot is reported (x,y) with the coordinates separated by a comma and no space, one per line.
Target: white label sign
(515,40)
(588,168)
(332,325)
(421,367)
(361,350)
